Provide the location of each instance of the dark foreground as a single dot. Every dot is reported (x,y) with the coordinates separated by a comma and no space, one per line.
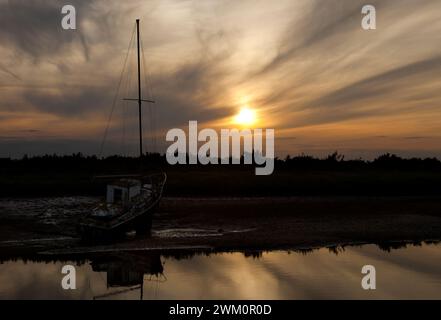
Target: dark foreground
(48,224)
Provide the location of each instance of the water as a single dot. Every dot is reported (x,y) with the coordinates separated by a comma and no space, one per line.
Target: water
(412,272)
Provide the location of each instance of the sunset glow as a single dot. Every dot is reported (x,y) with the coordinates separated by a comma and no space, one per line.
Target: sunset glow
(295,66)
(245,117)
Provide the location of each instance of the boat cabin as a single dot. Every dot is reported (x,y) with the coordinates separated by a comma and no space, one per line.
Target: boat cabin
(123,191)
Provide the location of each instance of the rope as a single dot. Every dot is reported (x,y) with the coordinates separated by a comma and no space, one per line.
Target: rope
(125,105)
(150,94)
(116,94)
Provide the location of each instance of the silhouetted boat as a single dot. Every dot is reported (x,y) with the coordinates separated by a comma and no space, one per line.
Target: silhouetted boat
(131,199)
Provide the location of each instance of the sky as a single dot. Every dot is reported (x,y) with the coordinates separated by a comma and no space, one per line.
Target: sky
(305,68)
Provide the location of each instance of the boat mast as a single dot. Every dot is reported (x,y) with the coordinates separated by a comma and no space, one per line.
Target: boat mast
(139,91)
(139,99)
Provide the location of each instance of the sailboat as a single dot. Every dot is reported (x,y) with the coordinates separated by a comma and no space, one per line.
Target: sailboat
(131,200)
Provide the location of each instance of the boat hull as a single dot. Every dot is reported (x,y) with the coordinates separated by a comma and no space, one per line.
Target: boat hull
(139,220)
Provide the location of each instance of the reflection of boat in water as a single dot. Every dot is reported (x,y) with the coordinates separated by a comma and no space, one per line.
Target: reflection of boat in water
(126,271)
(131,200)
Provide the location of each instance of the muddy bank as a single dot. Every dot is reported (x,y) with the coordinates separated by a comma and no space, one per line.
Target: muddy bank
(232,223)
(305,222)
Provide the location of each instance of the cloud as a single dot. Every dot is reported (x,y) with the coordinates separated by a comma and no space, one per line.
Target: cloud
(320,21)
(301,64)
(397,81)
(328,70)
(34,27)
(385,94)
(70,102)
(9,72)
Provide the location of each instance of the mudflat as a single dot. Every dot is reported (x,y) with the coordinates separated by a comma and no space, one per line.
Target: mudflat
(232,223)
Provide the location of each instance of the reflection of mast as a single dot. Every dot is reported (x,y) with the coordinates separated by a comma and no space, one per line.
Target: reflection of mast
(141,292)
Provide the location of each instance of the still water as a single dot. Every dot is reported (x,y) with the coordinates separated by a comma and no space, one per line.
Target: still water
(412,272)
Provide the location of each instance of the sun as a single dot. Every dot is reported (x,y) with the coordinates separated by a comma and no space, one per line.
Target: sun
(245,117)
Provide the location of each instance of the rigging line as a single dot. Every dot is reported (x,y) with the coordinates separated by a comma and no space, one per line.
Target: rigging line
(131,148)
(124,110)
(134,147)
(146,78)
(152,133)
(150,93)
(145,82)
(125,104)
(123,137)
(116,94)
